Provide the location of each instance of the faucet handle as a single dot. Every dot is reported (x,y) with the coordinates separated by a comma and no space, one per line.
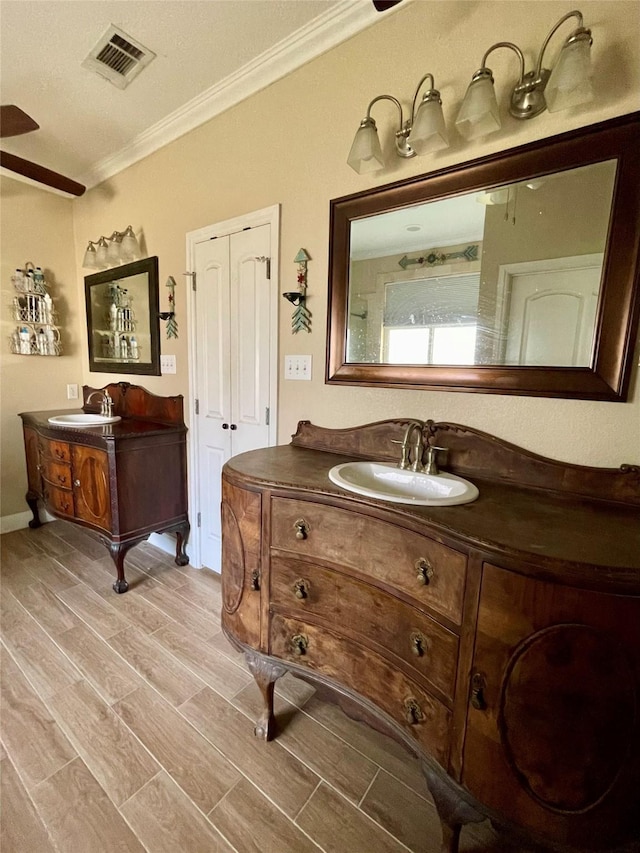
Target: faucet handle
(431,466)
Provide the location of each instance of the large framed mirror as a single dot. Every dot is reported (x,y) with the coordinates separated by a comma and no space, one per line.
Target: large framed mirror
(123,326)
(517,273)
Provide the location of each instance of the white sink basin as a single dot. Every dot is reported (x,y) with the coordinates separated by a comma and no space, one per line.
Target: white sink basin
(80,420)
(386,481)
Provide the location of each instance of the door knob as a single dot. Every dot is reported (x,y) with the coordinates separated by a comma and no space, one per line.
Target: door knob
(233,426)
(225,426)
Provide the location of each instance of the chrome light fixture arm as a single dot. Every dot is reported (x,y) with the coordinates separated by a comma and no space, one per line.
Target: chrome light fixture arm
(528,99)
(432,94)
(521,86)
(403,148)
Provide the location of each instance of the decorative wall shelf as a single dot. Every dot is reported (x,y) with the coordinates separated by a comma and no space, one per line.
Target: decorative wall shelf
(36,332)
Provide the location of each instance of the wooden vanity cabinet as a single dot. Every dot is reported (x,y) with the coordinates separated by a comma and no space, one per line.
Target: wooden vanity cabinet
(498,641)
(124,480)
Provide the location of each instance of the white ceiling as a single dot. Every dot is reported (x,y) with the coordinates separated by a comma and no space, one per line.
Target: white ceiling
(210,54)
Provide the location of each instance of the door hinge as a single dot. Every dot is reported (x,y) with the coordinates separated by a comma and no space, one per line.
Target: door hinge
(267,413)
(197,407)
(192,275)
(199,519)
(264,260)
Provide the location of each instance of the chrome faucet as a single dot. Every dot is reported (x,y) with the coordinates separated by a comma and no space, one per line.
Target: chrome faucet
(106,404)
(417,447)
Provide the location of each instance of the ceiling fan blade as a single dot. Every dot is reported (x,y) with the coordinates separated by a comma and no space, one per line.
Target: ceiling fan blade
(40,174)
(383,5)
(15,122)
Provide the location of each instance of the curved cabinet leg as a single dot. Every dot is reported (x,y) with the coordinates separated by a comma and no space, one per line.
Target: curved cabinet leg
(118,552)
(454,812)
(182,537)
(32,499)
(265,673)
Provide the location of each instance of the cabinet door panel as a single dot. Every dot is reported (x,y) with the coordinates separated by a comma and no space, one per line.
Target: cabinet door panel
(241,580)
(32,452)
(553,741)
(91,486)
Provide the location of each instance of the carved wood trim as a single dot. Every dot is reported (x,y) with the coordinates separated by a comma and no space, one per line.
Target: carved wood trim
(134,401)
(476,454)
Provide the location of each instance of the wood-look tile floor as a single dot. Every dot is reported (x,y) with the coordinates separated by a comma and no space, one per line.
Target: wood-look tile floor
(127,725)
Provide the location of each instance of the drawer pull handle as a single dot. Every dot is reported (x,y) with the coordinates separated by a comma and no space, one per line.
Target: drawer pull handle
(254,583)
(478,685)
(38,467)
(66,506)
(413,712)
(302,528)
(59,453)
(419,644)
(62,479)
(425,571)
(301,588)
(76,482)
(299,644)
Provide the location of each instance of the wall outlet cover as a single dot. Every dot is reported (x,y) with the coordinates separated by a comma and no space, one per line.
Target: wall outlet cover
(72,392)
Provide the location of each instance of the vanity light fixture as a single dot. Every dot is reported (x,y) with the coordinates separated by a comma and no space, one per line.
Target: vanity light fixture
(566,85)
(121,247)
(422,133)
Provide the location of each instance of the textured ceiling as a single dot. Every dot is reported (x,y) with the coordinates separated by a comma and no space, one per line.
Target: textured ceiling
(203,51)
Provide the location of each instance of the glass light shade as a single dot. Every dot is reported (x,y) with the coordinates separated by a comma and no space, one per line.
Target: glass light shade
(114,255)
(366,154)
(570,80)
(479,114)
(89,261)
(428,132)
(101,254)
(129,246)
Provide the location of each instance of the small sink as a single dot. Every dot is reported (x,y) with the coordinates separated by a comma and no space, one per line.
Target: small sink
(80,420)
(386,481)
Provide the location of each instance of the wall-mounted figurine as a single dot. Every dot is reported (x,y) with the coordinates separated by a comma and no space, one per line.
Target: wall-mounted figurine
(301,317)
(170,316)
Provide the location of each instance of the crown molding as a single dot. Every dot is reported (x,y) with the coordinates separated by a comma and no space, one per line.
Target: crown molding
(321,35)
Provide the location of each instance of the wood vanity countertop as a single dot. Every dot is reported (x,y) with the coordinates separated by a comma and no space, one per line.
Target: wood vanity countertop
(577,541)
(126,428)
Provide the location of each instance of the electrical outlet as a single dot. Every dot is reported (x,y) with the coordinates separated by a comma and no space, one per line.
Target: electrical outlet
(297,367)
(167,364)
(72,392)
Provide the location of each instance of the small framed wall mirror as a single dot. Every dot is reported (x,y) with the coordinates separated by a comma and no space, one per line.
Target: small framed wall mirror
(122,319)
(517,273)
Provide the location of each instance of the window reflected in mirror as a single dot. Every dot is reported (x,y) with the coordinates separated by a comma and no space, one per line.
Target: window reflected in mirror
(508,275)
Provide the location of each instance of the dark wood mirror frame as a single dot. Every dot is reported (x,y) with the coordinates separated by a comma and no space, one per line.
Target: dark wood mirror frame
(617,320)
(147,321)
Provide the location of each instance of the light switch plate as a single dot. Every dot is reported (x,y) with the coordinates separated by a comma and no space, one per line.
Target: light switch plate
(167,364)
(297,367)
(72,392)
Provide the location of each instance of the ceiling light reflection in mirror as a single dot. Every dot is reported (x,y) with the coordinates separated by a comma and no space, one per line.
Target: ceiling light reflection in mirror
(509,275)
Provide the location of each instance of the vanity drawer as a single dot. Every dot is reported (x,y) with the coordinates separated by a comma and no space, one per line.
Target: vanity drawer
(59,500)
(429,572)
(56,450)
(304,590)
(339,658)
(56,473)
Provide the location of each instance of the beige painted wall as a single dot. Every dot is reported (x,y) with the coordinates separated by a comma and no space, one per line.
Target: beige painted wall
(288,145)
(36,226)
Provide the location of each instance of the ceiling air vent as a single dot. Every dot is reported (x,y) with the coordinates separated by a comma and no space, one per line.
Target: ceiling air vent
(118,58)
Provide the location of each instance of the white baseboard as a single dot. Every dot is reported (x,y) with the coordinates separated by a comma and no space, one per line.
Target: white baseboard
(167,542)
(20,520)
